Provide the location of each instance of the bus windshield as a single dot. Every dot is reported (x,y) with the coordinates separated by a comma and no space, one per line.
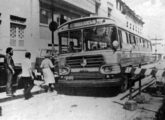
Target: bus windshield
(99,38)
(87,39)
(70,41)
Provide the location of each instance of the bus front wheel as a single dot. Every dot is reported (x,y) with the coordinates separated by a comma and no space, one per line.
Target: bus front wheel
(124,85)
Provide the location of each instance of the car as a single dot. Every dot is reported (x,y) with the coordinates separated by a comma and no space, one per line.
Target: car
(3,78)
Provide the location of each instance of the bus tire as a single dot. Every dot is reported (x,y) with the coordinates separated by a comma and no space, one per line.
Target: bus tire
(124,85)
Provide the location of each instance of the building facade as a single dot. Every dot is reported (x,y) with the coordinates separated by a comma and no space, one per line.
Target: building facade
(24,24)
(19,27)
(61,11)
(158,45)
(123,14)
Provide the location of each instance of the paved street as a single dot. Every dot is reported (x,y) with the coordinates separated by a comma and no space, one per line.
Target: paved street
(50,106)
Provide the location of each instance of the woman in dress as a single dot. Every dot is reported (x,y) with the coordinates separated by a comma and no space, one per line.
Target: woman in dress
(46,66)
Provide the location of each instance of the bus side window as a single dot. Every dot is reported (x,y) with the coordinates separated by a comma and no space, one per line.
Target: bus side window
(147,44)
(137,40)
(120,37)
(141,42)
(125,42)
(150,46)
(114,34)
(132,38)
(128,40)
(124,36)
(144,44)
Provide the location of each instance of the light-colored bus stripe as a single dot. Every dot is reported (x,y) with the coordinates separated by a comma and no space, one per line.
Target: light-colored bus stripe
(85,69)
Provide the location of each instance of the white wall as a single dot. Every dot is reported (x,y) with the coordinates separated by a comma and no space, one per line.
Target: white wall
(28,9)
(115,14)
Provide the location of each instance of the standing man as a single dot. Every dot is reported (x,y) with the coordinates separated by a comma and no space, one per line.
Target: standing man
(9,66)
(27,75)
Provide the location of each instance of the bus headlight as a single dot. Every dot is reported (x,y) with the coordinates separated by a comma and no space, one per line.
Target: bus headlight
(105,69)
(64,70)
(110,69)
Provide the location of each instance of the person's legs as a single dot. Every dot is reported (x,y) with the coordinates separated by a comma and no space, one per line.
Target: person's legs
(25,82)
(9,82)
(31,84)
(28,86)
(51,87)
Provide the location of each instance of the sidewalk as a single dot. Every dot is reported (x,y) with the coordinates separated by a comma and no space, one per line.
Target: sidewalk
(19,93)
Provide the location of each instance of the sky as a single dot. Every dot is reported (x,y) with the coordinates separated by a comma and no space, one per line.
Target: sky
(153,14)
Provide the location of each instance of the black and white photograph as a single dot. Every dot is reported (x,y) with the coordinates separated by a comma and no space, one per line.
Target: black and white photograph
(82,60)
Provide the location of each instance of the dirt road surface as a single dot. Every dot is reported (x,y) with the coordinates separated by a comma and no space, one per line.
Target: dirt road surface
(50,106)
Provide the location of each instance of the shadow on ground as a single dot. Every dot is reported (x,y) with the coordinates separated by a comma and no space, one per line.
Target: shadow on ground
(88,91)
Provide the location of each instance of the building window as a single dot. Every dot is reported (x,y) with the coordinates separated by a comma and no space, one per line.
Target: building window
(127,24)
(17,31)
(44,16)
(109,12)
(21,30)
(13,35)
(17,35)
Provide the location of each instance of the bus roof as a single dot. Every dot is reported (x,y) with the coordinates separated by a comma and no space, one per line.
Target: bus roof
(88,21)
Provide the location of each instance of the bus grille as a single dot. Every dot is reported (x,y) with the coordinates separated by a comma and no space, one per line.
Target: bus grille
(91,61)
(87,75)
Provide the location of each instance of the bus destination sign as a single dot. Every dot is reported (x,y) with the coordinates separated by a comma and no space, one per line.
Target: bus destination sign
(83,23)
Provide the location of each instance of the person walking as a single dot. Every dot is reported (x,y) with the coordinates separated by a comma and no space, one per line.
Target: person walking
(27,75)
(46,66)
(9,67)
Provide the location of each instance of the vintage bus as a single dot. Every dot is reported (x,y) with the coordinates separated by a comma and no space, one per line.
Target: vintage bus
(94,51)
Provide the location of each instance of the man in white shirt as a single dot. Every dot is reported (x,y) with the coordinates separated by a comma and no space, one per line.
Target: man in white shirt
(27,75)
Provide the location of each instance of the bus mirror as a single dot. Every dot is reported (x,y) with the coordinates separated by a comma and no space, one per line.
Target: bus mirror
(115,44)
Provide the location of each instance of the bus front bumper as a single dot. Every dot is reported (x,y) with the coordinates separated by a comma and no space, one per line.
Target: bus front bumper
(90,83)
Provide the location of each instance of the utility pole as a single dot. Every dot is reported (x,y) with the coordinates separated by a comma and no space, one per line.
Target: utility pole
(52,26)
(52,15)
